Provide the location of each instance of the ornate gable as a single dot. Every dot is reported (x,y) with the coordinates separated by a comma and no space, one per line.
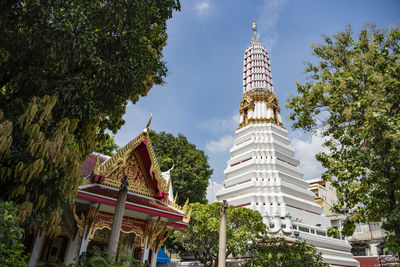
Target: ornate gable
(138,162)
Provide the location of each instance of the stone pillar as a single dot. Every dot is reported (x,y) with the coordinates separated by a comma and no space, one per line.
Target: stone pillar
(118,217)
(222,235)
(37,247)
(71,257)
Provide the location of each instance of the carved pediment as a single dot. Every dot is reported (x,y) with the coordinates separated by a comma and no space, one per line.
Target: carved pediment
(139,181)
(138,162)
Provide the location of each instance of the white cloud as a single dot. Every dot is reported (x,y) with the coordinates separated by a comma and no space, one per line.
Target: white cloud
(220,146)
(202,7)
(305,152)
(268,19)
(221,125)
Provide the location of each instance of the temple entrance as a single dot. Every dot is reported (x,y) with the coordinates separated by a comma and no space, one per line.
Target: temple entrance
(129,244)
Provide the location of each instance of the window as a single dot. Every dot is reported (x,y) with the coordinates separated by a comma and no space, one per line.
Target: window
(321,233)
(359,251)
(304,229)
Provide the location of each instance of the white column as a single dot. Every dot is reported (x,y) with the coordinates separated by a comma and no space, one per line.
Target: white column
(85,241)
(153,256)
(131,241)
(146,250)
(36,249)
(373,249)
(71,257)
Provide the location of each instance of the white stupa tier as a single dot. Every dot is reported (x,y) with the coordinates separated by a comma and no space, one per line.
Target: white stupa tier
(262,174)
(256,69)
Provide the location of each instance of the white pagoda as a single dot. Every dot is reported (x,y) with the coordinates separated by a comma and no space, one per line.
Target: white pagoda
(262,174)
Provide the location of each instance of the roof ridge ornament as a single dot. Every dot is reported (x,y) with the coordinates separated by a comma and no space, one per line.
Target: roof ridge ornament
(254,28)
(148,124)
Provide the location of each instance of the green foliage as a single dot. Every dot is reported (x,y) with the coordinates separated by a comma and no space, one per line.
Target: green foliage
(67,72)
(274,251)
(101,258)
(202,235)
(353,98)
(11,237)
(108,147)
(333,232)
(191,169)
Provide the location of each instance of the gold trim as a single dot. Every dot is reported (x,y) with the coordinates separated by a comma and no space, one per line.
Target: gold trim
(119,160)
(187,217)
(80,221)
(92,214)
(185,206)
(248,103)
(96,166)
(139,180)
(155,166)
(86,181)
(102,224)
(162,241)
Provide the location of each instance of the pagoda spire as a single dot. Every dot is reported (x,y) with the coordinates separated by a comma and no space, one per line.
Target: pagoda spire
(256,66)
(254,29)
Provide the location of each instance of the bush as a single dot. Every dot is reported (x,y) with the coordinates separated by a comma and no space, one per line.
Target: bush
(101,258)
(11,236)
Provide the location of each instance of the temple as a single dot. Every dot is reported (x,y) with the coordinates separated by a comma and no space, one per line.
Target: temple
(149,214)
(262,174)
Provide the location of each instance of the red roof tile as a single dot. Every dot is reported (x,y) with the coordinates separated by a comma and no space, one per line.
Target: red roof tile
(88,164)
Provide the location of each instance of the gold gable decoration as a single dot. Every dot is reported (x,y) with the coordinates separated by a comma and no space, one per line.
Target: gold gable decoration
(135,173)
(248,103)
(112,168)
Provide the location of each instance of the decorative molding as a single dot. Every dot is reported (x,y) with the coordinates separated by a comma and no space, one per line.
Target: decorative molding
(80,221)
(115,166)
(248,104)
(104,220)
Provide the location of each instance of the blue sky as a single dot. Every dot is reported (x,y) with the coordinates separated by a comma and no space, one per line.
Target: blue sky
(204,55)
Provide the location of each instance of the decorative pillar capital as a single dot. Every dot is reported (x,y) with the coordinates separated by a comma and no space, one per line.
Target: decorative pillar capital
(224,206)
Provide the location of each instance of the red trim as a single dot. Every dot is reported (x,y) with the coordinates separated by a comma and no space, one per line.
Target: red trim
(178,225)
(239,206)
(128,206)
(301,209)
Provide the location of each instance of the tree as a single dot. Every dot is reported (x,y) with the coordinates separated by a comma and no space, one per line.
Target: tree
(191,169)
(276,251)
(202,234)
(11,234)
(108,147)
(353,99)
(67,72)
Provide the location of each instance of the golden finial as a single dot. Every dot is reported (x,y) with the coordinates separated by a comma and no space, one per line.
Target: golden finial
(173,165)
(254,25)
(187,218)
(148,124)
(254,28)
(185,206)
(96,166)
